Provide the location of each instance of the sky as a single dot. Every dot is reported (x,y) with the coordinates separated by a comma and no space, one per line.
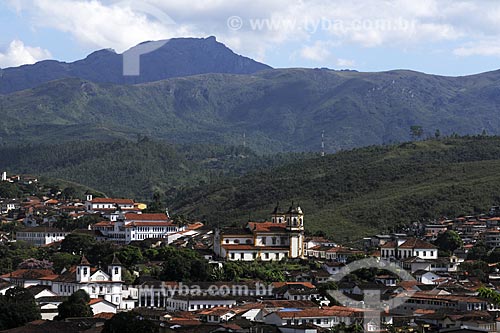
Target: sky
(444,37)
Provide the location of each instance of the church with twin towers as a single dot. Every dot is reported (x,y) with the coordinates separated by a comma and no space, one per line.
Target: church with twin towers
(282,237)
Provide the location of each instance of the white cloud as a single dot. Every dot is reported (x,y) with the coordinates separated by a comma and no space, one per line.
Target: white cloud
(19,54)
(480,48)
(118,25)
(346,63)
(321,53)
(389,23)
(318,52)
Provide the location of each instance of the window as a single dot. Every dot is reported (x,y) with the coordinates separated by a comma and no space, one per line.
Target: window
(116,270)
(425,253)
(264,240)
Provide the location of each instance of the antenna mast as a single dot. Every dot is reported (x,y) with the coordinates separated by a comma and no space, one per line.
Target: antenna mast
(322,143)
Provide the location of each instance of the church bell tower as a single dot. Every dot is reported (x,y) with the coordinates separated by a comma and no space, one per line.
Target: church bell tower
(295,227)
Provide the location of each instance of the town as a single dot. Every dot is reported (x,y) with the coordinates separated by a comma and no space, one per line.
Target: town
(87,263)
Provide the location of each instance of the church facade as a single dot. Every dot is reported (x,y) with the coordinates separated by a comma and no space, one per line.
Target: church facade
(282,237)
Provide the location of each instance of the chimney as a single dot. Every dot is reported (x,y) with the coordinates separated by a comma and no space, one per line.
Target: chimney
(4,176)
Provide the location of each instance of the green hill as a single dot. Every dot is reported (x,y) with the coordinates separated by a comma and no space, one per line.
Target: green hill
(135,169)
(278,110)
(367,190)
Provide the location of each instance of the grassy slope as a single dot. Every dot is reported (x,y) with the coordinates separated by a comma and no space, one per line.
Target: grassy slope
(359,192)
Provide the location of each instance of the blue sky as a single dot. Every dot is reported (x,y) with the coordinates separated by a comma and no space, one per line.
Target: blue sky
(445,37)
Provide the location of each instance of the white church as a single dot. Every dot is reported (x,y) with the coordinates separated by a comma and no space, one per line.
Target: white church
(98,283)
(282,237)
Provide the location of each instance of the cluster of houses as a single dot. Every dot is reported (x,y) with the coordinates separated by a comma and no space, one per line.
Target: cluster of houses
(440,296)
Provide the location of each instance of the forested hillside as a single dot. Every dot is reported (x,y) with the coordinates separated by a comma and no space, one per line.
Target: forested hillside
(368,190)
(136,169)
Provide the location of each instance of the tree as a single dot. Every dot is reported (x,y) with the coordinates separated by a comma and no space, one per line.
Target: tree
(129,322)
(156,206)
(77,305)
(478,252)
(69,193)
(32,263)
(17,307)
(77,243)
(490,294)
(130,255)
(416,131)
(437,134)
(449,241)
(62,260)
(183,265)
(9,190)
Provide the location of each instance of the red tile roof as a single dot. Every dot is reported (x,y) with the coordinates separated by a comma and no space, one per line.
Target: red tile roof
(282,284)
(146,217)
(267,227)
(337,311)
(415,243)
(28,274)
(149,224)
(113,201)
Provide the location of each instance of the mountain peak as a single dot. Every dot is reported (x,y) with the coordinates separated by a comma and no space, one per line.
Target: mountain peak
(176,57)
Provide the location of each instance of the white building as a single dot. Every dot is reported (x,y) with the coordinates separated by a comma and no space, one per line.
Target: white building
(98,283)
(282,237)
(407,248)
(108,205)
(137,227)
(39,236)
(194,303)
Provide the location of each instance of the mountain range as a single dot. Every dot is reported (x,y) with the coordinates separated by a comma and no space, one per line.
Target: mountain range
(276,109)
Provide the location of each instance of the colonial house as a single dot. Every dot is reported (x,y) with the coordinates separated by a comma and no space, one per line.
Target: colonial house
(407,248)
(283,237)
(327,317)
(40,236)
(199,302)
(29,277)
(131,227)
(106,206)
(431,301)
